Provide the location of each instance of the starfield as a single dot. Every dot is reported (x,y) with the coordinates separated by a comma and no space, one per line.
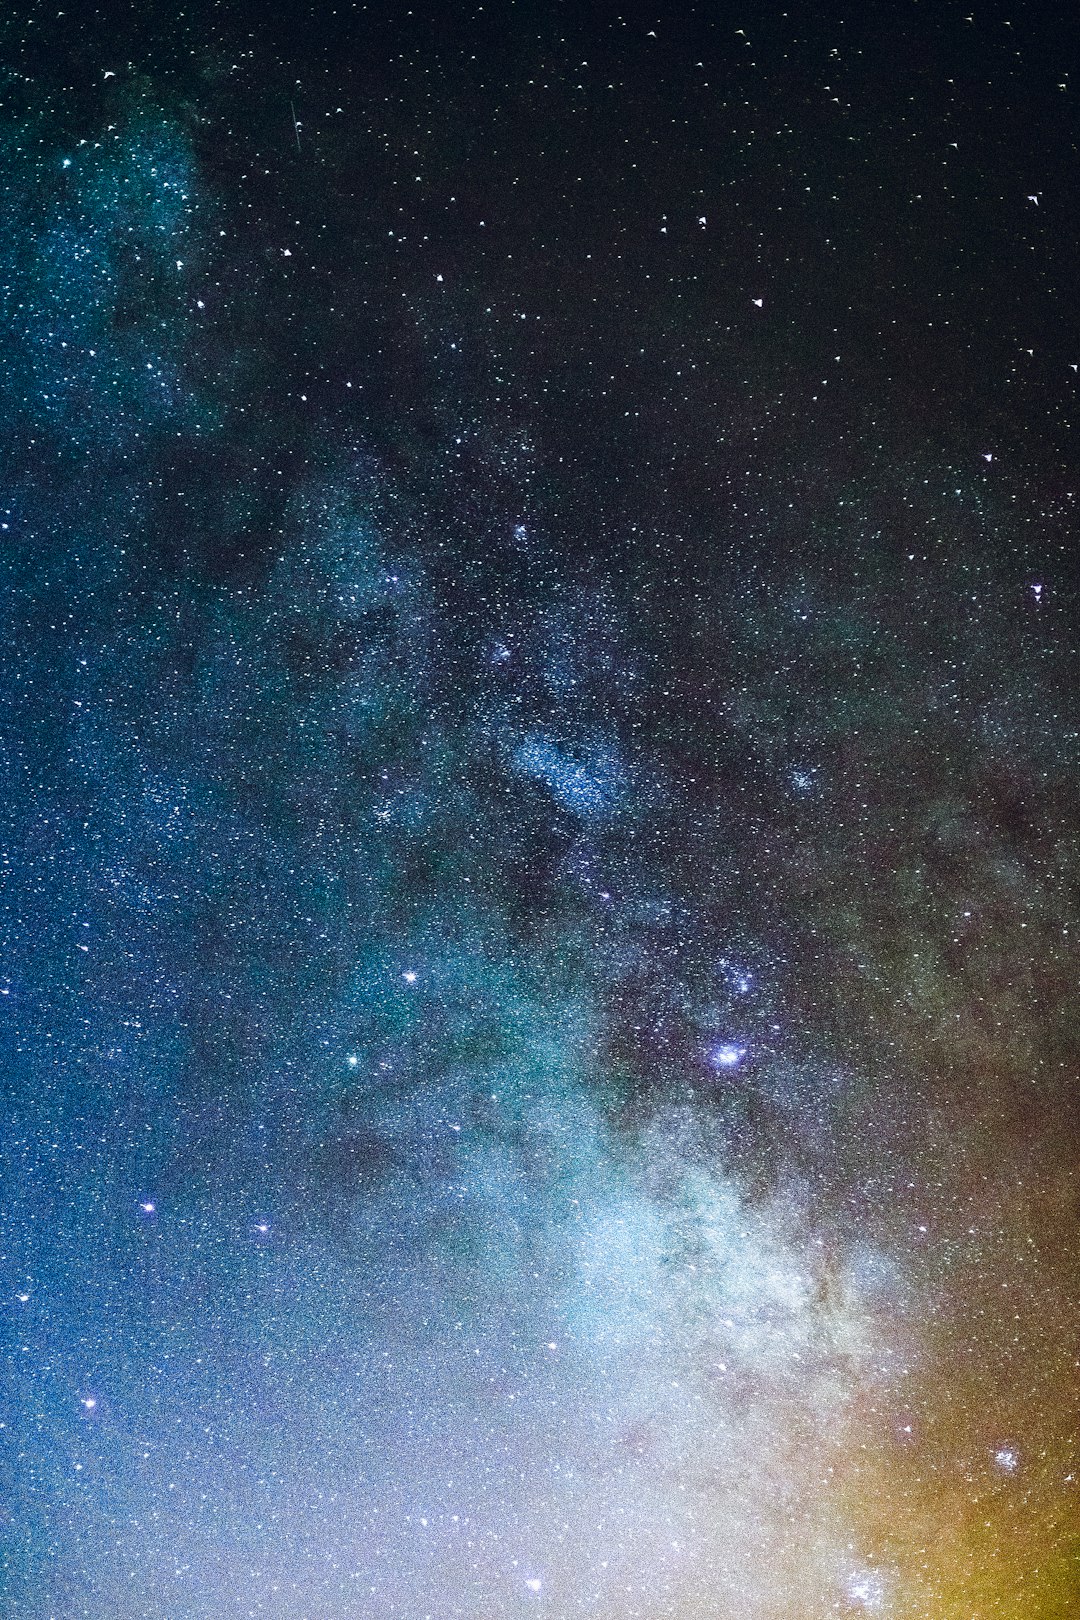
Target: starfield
(539,811)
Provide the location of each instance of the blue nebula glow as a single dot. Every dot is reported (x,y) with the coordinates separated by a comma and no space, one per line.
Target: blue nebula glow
(726,1056)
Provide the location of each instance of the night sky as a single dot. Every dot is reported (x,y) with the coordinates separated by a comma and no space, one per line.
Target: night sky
(540,757)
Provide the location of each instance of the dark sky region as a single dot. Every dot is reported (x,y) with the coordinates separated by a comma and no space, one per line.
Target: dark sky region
(540,799)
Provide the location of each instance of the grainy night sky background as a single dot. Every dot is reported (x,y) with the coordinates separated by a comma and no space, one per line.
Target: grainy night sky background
(541,812)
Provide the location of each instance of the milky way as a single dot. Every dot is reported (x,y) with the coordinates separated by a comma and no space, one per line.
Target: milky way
(540,813)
